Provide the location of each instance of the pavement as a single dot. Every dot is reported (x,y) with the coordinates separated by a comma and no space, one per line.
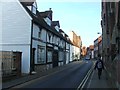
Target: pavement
(93,81)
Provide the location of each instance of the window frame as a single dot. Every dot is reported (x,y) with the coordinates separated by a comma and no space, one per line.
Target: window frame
(41,56)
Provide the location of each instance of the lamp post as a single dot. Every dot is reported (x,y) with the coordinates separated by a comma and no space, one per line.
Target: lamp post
(100,44)
(98,33)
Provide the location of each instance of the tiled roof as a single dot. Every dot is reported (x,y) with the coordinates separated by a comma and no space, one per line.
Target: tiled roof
(46,14)
(66,35)
(27,2)
(60,30)
(56,23)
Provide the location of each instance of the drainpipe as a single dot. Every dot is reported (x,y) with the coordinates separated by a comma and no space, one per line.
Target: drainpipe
(46,47)
(69,52)
(31,60)
(65,52)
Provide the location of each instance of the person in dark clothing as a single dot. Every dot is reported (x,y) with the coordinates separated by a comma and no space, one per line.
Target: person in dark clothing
(99,65)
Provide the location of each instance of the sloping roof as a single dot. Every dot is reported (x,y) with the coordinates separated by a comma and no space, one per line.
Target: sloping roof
(28,2)
(46,14)
(70,42)
(39,20)
(55,23)
(60,30)
(66,35)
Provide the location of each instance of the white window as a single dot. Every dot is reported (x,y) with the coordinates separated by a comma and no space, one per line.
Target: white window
(57,28)
(41,54)
(48,21)
(49,56)
(39,33)
(49,37)
(54,39)
(61,55)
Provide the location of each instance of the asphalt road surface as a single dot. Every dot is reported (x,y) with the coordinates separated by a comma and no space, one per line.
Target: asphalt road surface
(70,77)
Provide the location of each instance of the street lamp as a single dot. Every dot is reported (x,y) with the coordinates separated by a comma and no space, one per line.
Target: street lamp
(99,33)
(100,44)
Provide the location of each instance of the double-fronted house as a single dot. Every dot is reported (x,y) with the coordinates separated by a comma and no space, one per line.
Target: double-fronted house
(33,33)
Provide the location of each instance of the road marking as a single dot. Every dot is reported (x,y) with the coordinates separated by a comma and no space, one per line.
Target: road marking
(91,77)
(82,84)
(88,86)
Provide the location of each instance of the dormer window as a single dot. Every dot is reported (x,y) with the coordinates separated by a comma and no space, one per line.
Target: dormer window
(57,28)
(47,16)
(48,21)
(56,25)
(34,8)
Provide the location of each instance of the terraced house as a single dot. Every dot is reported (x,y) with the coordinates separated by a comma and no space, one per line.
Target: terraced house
(33,33)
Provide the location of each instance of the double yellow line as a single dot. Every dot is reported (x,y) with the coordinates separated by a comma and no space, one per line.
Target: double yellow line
(82,84)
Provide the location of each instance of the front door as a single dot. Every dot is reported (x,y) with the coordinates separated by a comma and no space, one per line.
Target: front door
(55,59)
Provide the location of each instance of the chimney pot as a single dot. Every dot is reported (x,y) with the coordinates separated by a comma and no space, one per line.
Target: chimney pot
(50,9)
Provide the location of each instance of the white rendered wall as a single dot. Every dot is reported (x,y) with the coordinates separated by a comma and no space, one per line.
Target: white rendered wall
(71,51)
(16,24)
(16,31)
(36,30)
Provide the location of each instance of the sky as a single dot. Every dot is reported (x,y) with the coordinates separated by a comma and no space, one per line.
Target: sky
(81,17)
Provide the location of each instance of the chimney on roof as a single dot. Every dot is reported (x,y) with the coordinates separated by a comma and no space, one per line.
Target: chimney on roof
(50,9)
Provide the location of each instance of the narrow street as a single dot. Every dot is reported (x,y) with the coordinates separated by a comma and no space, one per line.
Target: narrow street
(70,77)
(60,44)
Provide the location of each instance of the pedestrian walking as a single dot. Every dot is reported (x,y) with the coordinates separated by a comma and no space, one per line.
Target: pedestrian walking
(99,65)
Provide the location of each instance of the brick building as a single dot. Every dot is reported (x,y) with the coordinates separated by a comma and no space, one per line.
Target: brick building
(77,44)
(111,40)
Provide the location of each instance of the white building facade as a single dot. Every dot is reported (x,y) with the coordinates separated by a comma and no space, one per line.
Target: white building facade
(25,31)
(16,34)
(75,49)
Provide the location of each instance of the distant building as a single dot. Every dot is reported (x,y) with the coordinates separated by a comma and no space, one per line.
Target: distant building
(84,51)
(91,47)
(77,44)
(98,47)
